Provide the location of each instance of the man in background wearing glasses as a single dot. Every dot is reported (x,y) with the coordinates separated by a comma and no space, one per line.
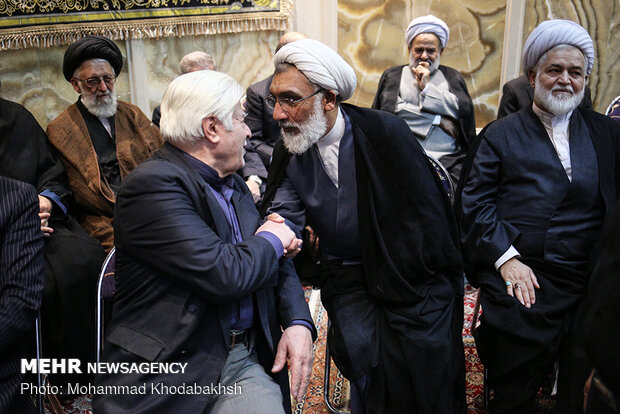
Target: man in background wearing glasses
(390,271)
(99,139)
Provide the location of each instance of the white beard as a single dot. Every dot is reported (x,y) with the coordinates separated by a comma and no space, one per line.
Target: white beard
(432,66)
(309,132)
(100,107)
(557,105)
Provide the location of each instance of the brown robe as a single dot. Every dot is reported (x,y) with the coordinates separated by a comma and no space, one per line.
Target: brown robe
(136,140)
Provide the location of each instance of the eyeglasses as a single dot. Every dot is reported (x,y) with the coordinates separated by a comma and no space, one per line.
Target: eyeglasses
(287,104)
(95,81)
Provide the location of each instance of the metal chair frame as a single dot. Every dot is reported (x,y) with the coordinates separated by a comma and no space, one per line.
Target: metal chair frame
(330,406)
(100,304)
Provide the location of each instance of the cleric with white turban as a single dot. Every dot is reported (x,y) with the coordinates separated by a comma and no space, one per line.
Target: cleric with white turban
(551,33)
(320,64)
(428,24)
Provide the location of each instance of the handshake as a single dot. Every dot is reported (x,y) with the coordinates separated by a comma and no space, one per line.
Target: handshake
(276,226)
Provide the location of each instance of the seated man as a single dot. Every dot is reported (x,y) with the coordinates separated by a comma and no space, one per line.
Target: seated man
(200,280)
(518,94)
(99,140)
(432,98)
(390,273)
(191,62)
(536,193)
(21,284)
(265,130)
(72,258)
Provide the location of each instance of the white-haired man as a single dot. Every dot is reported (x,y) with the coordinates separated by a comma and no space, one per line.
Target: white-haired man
(391,277)
(201,281)
(539,186)
(432,98)
(99,139)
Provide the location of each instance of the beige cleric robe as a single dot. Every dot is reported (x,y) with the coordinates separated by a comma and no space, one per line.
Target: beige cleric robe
(136,140)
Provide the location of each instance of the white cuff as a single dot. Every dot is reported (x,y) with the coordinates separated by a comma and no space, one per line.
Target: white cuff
(437,120)
(509,254)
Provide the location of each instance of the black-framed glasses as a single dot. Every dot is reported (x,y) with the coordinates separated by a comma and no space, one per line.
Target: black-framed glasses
(288,104)
(95,81)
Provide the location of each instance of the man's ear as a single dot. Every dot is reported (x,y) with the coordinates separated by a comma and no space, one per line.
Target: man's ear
(209,129)
(75,83)
(330,100)
(531,76)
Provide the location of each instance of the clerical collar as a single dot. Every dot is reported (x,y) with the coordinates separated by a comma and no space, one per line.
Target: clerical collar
(550,119)
(335,134)
(209,174)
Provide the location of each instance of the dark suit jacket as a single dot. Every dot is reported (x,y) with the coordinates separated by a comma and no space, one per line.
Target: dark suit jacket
(21,285)
(518,94)
(265,130)
(387,92)
(178,276)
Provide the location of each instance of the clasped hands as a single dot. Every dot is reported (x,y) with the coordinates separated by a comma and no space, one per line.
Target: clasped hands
(275,225)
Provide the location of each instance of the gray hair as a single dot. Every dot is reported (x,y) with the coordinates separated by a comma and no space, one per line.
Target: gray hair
(192,97)
(196,61)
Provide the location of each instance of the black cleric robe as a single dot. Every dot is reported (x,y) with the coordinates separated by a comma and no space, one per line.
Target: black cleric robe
(410,281)
(515,192)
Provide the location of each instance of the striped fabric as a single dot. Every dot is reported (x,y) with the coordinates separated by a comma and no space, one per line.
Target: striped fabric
(21,285)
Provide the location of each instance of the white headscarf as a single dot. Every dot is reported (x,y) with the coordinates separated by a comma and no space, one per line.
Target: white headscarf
(428,24)
(552,33)
(321,65)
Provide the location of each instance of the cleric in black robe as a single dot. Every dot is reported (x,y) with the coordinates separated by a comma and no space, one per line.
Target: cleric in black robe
(72,258)
(391,275)
(538,186)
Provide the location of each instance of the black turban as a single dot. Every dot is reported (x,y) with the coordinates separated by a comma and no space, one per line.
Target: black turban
(91,47)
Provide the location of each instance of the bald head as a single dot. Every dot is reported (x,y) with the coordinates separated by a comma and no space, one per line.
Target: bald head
(196,61)
(288,38)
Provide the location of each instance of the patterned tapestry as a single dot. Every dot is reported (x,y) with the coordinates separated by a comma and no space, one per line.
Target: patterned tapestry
(43,23)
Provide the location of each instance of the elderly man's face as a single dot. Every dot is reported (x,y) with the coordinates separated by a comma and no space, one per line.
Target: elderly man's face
(559,80)
(425,48)
(230,150)
(306,122)
(100,100)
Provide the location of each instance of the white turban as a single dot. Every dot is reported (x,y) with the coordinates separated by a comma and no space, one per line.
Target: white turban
(552,33)
(428,24)
(320,64)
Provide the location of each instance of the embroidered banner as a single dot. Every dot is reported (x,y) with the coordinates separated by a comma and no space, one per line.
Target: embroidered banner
(43,23)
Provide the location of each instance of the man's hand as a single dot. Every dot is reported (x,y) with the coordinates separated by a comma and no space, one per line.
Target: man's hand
(45,211)
(520,281)
(282,232)
(292,249)
(296,347)
(422,74)
(448,125)
(254,189)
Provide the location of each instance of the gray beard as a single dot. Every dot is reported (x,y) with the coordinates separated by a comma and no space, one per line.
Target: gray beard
(433,66)
(557,105)
(310,131)
(101,109)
